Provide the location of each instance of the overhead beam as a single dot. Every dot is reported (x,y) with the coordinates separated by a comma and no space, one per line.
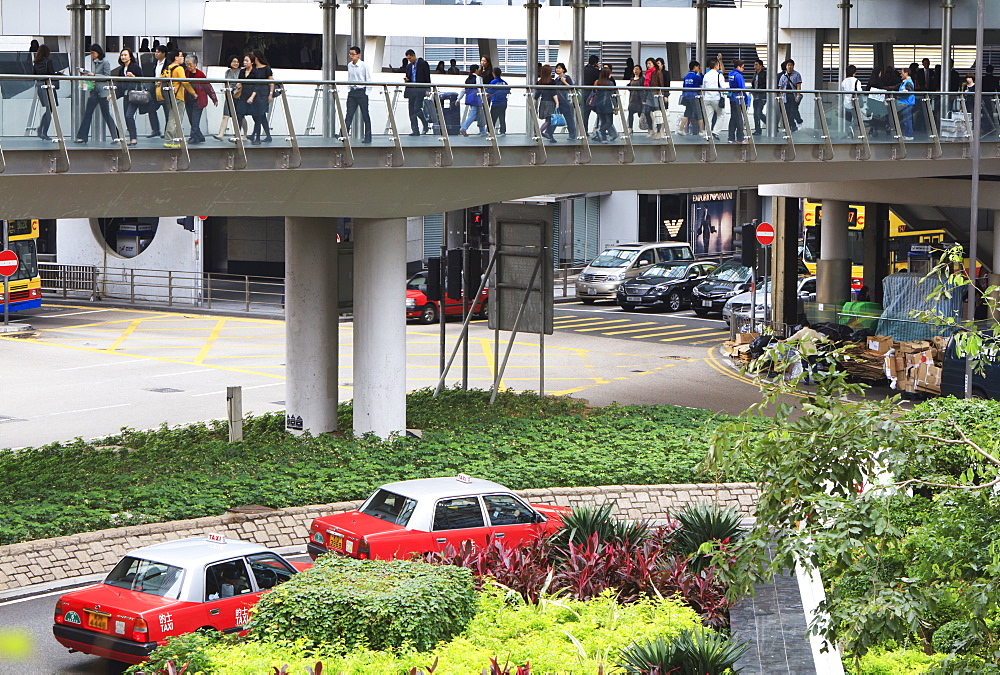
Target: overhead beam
(942,192)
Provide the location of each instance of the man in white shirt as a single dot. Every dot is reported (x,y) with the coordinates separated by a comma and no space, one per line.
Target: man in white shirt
(850,86)
(357,95)
(154,68)
(711,86)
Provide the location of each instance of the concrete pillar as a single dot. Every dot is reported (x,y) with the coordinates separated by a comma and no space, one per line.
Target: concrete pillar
(883,55)
(77,58)
(488,48)
(875,241)
(531,64)
(677,61)
(833,269)
(374,54)
(312,331)
(773,7)
(379,326)
(358,25)
(785,260)
(98,34)
(947,7)
(579,36)
(845,39)
(329,8)
(701,35)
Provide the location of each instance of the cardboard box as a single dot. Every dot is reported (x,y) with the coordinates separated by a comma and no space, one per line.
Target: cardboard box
(880,344)
(746,338)
(917,358)
(894,365)
(913,347)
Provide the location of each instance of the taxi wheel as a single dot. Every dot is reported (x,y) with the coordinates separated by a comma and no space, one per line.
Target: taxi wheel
(484,311)
(626,307)
(587,301)
(674,302)
(701,311)
(428,314)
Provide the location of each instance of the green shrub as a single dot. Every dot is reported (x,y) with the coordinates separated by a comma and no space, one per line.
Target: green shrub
(346,603)
(522,442)
(897,662)
(184,650)
(555,636)
(585,521)
(955,637)
(703,523)
(700,652)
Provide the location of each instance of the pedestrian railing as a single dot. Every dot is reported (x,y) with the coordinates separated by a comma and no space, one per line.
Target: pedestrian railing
(394,118)
(65,279)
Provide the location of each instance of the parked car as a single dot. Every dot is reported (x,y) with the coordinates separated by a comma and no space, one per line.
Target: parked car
(428,514)
(169,589)
(985,382)
(601,278)
(664,285)
(739,306)
(727,280)
(426,311)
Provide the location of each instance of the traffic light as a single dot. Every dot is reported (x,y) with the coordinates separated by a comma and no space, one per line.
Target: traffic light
(433,291)
(479,221)
(748,252)
(187,222)
(453,279)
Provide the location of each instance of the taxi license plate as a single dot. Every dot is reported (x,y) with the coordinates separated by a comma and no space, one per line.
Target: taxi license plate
(97,621)
(336,541)
(591,291)
(634,298)
(706,303)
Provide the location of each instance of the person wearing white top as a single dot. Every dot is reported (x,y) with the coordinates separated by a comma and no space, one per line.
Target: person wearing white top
(711,86)
(357,95)
(849,86)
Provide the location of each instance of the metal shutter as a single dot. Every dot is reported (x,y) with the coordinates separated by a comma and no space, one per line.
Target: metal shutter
(432,235)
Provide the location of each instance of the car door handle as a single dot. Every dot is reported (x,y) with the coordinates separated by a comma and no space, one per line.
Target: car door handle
(441,540)
(213,611)
(499,535)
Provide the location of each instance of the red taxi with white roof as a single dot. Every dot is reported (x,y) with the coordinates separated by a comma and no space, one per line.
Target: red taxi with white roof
(426,515)
(169,589)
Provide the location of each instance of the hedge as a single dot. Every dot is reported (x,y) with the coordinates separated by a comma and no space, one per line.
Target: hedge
(167,474)
(345,603)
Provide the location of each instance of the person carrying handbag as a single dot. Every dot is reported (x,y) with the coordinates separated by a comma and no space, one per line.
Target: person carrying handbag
(173,132)
(99,95)
(43,66)
(129,67)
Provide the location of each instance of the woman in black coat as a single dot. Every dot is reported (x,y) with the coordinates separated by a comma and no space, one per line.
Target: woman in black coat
(128,66)
(43,66)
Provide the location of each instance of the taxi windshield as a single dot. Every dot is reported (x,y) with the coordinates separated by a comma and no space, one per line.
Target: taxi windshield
(390,507)
(146,576)
(664,272)
(614,257)
(730,271)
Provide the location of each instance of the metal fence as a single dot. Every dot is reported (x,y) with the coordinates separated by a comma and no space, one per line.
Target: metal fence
(63,279)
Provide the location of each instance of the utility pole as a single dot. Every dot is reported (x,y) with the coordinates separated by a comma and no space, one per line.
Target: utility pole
(977,129)
(329,8)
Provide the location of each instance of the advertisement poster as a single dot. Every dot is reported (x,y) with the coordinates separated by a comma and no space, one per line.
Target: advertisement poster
(711,222)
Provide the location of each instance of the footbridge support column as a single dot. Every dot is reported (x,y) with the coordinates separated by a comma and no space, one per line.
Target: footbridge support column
(379,326)
(311,324)
(833,269)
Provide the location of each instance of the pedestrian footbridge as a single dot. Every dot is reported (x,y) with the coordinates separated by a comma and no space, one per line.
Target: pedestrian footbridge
(313,167)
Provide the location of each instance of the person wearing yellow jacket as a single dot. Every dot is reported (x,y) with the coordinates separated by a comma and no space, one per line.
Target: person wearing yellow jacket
(173,132)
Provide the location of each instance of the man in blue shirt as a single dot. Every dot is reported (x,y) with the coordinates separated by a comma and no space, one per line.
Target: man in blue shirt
(498,102)
(689,97)
(737,99)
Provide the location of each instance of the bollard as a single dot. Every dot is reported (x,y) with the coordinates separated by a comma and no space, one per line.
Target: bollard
(234,410)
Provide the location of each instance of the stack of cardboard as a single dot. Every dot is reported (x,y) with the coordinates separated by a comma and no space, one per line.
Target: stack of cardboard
(911,366)
(864,364)
(739,349)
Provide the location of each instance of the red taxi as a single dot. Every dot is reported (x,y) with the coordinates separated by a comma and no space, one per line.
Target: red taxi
(426,311)
(426,515)
(169,589)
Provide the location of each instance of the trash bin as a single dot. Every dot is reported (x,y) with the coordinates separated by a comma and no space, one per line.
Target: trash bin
(452,112)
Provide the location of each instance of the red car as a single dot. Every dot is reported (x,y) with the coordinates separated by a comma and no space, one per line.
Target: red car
(169,589)
(426,515)
(426,311)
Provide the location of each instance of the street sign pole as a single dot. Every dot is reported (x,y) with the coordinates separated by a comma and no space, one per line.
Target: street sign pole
(6,277)
(765,237)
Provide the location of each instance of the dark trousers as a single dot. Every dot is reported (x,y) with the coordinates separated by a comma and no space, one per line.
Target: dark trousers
(417,113)
(358,99)
(586,117)
(194,118)
(130,110)
(154,117)
(758,112)
(735,122)
(94,102)
(498,114)
(792,108)
(43,125)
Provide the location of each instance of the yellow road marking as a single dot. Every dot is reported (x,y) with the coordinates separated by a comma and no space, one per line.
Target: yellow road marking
(124,336)
(642,330)
(584,330)
(688,337)
(212,337)
(669,332)
(591,322)
(488,355)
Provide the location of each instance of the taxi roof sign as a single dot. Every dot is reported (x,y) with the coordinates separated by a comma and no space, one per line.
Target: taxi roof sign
(217,538)
(463,478)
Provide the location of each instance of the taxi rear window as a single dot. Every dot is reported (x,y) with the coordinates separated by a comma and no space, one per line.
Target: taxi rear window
(146,576)
(390,507)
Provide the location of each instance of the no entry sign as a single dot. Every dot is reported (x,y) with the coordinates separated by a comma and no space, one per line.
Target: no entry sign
(765,234)
(8,263)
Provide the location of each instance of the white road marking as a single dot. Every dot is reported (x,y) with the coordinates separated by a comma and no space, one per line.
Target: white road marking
(103,407)
(98,365)
(89,311)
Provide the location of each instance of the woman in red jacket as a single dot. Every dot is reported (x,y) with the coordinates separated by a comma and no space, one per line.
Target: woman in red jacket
(195,104)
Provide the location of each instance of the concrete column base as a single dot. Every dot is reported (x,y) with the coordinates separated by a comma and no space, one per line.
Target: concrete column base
(379,326)
(833,281)
(312,325)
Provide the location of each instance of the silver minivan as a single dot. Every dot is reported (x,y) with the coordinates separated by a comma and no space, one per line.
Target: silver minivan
(601,278)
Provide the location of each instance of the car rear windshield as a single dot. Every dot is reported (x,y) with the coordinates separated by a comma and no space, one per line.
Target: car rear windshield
(389,507)
(147,576)
(730,271)
(665,272)
(614,257)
